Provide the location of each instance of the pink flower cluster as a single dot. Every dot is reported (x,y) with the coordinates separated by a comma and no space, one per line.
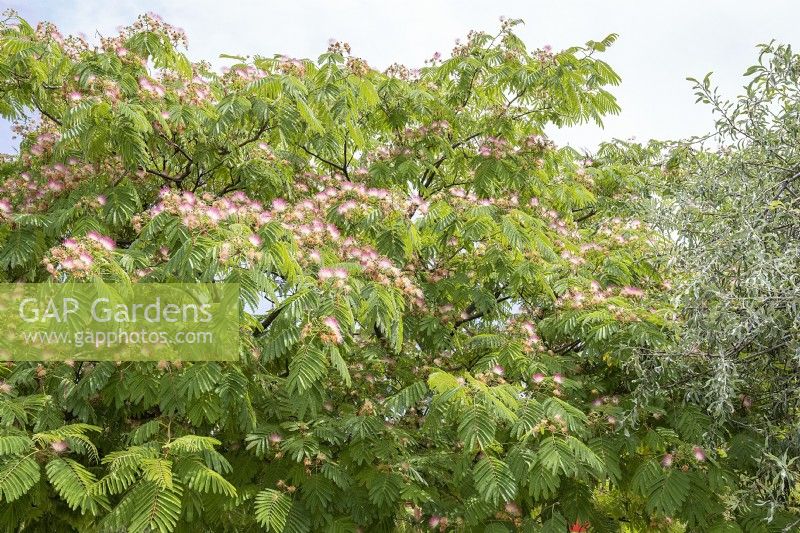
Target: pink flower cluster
(79,256)
(307,218)
(632,292)
(572,258)
(440,522)
(305,221)
(435,58)
(357,66)
(402,72)
(337,276)
(545,54)
(205,212)
(438,127)
(339,47)
(538,142)
(383,271)
(44,143)
(458,197)
(47,30)
(333,333)
(151,87)
(495,147)
(697,452)
(246,73)
(603,400)
(295,67)
(577,299)
(59,446)
(310,232)
(532,340)
(110,89)
(557,224)
(196,92)
(152,22)
(331,189)
(238,250)
(620,231)
(384,153)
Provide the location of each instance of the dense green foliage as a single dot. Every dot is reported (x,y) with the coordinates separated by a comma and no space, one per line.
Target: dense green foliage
(731,203)
(445,315)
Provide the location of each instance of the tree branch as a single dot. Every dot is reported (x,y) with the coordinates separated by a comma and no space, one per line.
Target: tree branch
(327,162)
(268,320)
(474,315)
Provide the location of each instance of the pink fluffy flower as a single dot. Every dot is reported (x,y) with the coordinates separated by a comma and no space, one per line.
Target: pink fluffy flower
(699,454)
(106,242)
(224,252)
(59,446)
(333,325)
(214,214)
(255,240)
(633,292)
(558,378)
(346,207)
(513,509)
(538,377)
(666,461)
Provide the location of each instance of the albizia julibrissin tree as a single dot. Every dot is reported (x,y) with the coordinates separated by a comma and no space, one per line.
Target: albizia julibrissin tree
(449,299)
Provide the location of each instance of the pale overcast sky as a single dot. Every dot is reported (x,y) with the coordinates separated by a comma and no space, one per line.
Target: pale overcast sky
(660,44)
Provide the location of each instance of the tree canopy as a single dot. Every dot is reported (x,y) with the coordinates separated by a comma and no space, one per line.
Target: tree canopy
(447,320)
